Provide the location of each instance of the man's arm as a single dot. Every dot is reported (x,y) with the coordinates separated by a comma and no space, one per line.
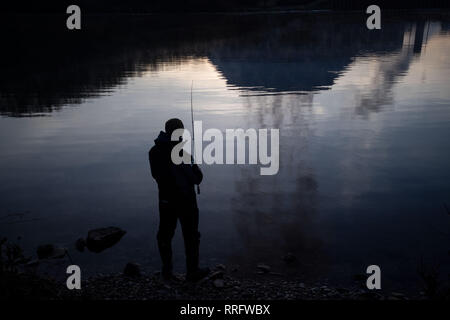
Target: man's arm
(156,166)
(193,173)
(197,174)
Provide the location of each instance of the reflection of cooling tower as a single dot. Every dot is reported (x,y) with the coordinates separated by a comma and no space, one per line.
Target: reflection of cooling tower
(387,71)
(419,37)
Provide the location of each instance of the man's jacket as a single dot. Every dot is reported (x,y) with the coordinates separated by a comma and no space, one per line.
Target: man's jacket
(175,182)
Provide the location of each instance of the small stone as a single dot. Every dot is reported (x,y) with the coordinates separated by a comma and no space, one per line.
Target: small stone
(32,263)
(397,295)
(132,270)
(215,275)
(103,238)
(220,267)
(263,268)
(218,283)
(49,251)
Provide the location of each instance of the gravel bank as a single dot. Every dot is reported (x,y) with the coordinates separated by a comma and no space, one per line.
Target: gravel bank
(219,285)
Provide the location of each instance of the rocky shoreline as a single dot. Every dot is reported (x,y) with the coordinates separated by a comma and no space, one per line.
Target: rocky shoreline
(20,279)
(113,287)
(219,285)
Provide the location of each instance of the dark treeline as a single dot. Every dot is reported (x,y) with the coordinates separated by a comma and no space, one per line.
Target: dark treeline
(154,6)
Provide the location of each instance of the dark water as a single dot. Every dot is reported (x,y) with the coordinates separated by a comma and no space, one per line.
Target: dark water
(364,119)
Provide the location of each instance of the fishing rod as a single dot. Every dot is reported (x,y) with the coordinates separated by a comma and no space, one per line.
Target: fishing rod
(193,132)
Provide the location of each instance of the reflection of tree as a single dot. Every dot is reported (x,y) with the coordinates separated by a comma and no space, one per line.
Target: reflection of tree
(275,53)
(301,54)
(45,66)
(279,214)
(275,215)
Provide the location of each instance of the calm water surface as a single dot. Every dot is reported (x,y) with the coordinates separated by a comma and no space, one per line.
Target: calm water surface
(364,123)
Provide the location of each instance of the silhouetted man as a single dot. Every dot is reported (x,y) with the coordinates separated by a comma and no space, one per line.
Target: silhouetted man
(177,201)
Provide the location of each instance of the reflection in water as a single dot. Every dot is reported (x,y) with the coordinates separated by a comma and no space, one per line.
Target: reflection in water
(70,67)
(363,118)
(385,69)
(277,215)
(308,61)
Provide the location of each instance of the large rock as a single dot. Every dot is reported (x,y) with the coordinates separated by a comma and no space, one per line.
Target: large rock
(103,238)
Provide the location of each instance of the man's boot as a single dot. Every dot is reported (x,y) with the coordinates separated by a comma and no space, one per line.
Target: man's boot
(194,273)
(197,275)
